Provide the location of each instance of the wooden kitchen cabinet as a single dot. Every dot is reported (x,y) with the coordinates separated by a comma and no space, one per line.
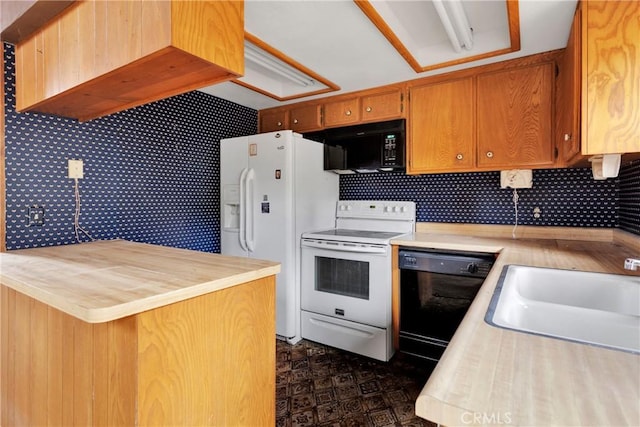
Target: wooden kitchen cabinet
(492,117)
(273,120)
(514,118)
(441,127)
(342,112)
(387,105)
(305,118)
(368,106)
(610,77)
(372,105)
(94,374)
(568,96)
(99,57)
(597,112)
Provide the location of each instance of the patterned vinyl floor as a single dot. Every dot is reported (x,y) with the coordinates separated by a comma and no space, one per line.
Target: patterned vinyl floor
(317,385)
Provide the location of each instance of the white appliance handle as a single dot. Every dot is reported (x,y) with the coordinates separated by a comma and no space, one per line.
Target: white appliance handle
(344,247)
(341,328)
(242,233)
(249,198)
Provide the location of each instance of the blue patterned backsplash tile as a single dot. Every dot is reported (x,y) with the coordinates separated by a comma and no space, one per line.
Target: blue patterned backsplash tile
(629,206)
(150,173)
(566,197)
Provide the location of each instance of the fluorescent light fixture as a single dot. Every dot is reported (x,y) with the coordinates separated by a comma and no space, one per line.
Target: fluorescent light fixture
(455,23)
(259,57)
(461,23)
(274,74)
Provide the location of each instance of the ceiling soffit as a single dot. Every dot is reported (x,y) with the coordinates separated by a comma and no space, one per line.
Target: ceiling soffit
(418,29)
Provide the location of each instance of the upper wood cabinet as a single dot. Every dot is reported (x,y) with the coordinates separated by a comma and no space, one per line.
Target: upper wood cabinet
(273,120)
(99,57)
(386,105)
(342,112)
(371,105)
(597,106)
(567,130)
(367,106)
(299,118)
(514,117)
(488,118)
(305,118)
(610,77)
(441,127)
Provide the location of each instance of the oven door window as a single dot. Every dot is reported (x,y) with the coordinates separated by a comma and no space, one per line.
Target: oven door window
(342,277)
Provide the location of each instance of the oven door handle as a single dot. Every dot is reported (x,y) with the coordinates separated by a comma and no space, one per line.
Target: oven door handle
(345,247)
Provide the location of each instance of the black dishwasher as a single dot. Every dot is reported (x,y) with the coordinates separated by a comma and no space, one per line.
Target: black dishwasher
(436,290)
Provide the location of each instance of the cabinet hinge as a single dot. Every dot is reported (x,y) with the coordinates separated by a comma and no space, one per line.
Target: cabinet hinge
(556,152)
(557,69)
(401,102)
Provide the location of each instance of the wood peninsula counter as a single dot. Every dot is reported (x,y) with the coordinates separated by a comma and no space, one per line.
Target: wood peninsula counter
(130,334)
(494,376)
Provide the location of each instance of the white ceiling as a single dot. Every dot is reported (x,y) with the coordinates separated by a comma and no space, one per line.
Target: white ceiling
(335,39)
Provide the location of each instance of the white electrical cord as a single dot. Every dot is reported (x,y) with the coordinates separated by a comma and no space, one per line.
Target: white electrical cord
(515,206)
(76,221)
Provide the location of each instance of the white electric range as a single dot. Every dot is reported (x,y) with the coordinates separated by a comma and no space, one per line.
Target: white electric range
(346,277)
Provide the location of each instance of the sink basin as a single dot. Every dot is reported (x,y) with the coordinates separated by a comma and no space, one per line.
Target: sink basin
(591,308)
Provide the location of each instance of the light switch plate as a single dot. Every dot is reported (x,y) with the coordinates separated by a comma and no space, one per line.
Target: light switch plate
(76,169)
(36,216)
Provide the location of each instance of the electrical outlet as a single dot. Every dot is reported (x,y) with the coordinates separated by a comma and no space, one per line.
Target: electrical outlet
(36,216)
(516,178)
(537,213)
(76,169)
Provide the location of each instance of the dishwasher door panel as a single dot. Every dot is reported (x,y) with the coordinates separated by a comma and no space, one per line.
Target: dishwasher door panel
(433,304)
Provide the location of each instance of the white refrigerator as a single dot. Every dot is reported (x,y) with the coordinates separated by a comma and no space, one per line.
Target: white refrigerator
(274,188)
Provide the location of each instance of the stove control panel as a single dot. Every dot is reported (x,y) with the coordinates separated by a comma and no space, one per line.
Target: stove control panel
(378,209)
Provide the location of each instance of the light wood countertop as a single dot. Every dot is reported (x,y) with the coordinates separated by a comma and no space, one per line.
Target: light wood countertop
(494,376)
(106,280)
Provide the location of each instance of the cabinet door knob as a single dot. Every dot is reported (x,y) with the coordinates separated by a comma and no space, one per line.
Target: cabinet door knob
(279,124)
(295,121)
(459,156)
(348,112)
(489,154)
(567,137)
(369,109)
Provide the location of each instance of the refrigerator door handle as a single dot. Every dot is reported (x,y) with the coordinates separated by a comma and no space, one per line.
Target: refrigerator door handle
(242,233)
(249,198)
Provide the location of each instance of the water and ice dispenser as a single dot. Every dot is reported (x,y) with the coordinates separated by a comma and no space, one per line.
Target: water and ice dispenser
(231,207)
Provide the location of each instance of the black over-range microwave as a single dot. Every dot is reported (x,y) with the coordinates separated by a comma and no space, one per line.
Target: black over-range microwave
(370,147)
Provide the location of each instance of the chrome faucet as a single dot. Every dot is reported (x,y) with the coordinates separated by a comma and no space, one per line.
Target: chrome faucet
(632,264)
